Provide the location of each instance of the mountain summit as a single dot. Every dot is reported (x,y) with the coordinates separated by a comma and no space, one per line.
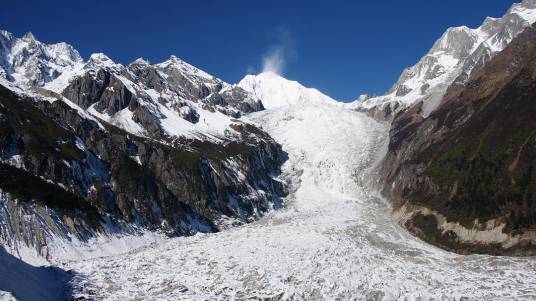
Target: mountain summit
(276,91)
(453,58)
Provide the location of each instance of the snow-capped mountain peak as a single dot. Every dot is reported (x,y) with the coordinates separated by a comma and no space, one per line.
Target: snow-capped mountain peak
(276,91)
(176,63)
(164,101)
(452,58)
(100,60)
(29,62)
(525,9)
(140,61)
(100,57)
(29,37)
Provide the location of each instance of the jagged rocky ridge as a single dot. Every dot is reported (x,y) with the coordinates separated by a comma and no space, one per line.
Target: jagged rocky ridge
(453,58)
(95,148)
(464,177)
(171,98)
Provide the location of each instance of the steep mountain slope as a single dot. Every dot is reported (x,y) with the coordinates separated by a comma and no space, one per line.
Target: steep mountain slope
(91,148)
(463,178)
(453,58)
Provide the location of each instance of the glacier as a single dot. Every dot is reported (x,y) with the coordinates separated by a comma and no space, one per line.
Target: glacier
(335,239)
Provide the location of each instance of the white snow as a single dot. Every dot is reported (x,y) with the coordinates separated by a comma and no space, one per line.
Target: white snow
(185,68)
(61,82)
(211,125)
(137,159)
(62,251)
(15,160)
(80,144)
(335,240)
(81,112)
(275,91)
(6,296)
(30,59)
(122,119)
(525,10)
(63,64)
(101,60)
(447,59)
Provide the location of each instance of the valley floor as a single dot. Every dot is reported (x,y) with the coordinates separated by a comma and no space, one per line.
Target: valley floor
(335,239)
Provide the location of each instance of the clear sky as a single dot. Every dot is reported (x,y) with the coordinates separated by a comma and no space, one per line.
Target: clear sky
(343,48)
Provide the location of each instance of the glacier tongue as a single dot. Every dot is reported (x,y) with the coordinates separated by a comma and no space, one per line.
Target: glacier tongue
(334,240)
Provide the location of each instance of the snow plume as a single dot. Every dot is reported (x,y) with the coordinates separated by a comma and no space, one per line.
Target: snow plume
(274,61)
(279,54)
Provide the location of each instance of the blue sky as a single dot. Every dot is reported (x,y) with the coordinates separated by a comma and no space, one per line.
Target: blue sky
(343,48)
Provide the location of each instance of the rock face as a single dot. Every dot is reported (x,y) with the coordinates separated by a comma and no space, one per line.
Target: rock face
(65,175)
(464,177)
(160,101)
(92,148)
(172,98)
(453,58)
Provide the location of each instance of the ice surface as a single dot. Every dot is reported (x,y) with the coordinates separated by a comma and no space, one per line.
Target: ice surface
(335,240)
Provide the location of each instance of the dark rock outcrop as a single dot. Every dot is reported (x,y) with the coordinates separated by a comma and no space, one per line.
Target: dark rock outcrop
(102,88)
